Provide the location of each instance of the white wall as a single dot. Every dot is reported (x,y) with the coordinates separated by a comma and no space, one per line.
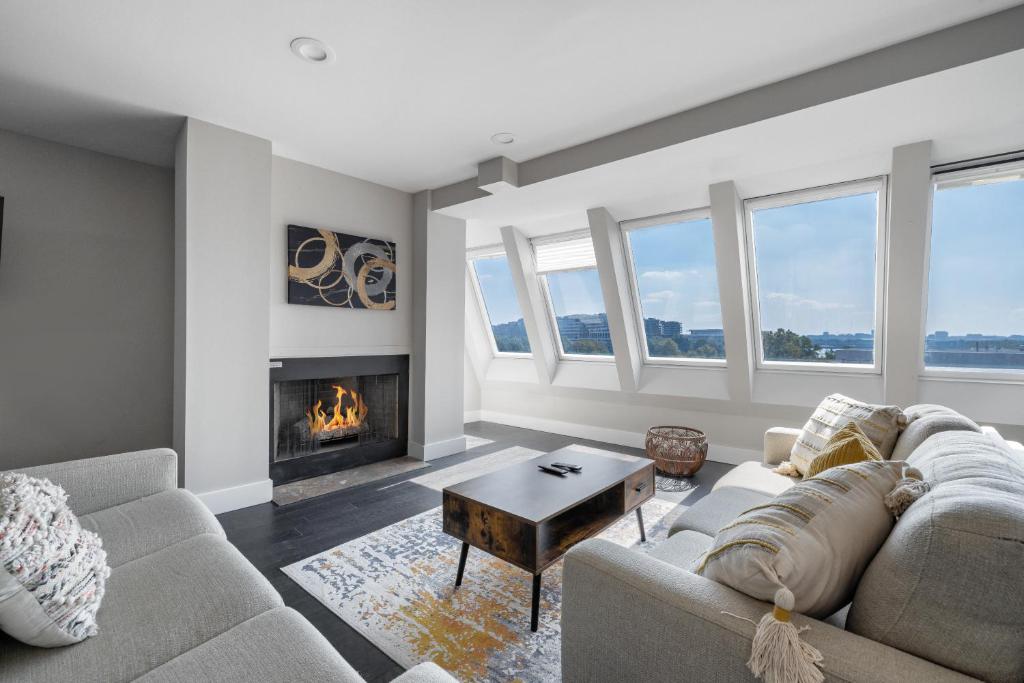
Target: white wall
(221,314)
(735,404)
(306,195)
(436,389)
(85,303)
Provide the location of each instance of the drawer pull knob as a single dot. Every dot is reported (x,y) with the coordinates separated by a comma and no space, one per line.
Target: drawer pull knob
(641,487)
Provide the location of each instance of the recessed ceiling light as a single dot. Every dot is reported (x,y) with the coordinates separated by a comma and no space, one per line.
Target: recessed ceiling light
(503,138)
(312,50)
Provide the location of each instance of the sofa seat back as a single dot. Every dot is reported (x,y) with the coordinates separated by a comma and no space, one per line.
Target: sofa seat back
(947,585)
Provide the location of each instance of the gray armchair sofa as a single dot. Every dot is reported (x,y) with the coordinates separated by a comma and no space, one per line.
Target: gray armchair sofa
(182,604)
(950,589)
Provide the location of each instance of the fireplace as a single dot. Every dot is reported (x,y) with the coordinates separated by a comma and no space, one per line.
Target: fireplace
(330,414)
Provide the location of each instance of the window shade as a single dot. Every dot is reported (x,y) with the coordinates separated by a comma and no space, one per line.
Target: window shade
(564,252)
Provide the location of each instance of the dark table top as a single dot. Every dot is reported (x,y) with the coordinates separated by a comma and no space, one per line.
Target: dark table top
(534,496)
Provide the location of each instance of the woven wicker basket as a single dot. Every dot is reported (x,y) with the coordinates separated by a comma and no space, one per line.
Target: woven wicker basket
(677,451)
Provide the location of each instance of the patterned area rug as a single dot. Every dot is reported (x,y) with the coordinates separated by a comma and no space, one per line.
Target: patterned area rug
(396,586)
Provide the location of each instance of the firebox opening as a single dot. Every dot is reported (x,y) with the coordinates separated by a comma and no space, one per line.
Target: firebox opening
(314,416)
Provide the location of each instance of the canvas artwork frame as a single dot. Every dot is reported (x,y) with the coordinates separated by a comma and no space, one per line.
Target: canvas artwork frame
(338,270)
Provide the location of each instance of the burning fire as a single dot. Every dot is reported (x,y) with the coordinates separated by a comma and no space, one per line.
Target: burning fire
(343,418)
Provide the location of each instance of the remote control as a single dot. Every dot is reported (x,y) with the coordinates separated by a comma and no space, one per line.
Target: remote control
(551,470)
(564,466)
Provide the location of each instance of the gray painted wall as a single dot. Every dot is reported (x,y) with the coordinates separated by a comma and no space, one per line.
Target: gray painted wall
(311,196)
(86,303)
(221,411)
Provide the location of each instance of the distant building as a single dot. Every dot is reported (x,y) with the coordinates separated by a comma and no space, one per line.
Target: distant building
(671,328)
(653,327)
(708,332)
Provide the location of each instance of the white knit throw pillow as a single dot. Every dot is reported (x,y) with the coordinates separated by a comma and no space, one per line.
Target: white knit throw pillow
(52,572)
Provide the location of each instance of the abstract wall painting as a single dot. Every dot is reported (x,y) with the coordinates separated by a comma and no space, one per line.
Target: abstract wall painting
(344,271)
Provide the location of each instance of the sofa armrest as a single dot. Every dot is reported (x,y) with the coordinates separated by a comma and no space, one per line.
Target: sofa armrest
(778,443)
(425,673)
(629,616)
(97,483)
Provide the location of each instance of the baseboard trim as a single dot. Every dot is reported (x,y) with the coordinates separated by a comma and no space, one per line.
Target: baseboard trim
(730,455)
(437,449)
(236,497)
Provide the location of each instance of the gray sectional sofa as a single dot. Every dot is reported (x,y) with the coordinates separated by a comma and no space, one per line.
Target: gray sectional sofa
(182,604)
(943,600)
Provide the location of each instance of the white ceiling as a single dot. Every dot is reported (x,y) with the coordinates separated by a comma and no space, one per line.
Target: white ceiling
(970,111)
(418,86)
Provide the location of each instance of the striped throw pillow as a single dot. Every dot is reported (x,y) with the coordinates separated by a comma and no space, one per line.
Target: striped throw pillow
(814,539)
(847,446)
(881,424)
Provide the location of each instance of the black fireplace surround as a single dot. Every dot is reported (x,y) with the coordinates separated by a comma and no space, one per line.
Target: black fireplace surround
(330,414)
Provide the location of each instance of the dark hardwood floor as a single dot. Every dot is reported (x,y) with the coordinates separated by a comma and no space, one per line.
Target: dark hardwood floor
(272,537)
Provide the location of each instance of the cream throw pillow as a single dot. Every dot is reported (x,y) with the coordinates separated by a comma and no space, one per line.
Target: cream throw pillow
(814,539)
(52,572)
(881,424)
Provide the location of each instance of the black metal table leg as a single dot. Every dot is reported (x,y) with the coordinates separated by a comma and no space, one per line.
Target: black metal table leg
(462,564)
(535,607)
(640,521)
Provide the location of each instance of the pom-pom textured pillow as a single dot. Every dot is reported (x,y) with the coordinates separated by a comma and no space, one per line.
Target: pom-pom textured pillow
(52,572)
(847,446)
(814,539)
(881,424)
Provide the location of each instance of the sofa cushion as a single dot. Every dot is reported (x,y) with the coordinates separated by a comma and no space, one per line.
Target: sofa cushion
(718,508)
(925,420)
(815,539)
(278,645)
(755,476)
(156,608)
(881,424)
(149,524)
(683,549)
(947,584)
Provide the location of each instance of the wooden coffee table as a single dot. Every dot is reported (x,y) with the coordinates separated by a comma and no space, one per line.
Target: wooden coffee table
(530,518)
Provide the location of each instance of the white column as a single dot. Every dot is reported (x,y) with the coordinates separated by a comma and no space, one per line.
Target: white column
(222,314)
(907,274)
(437,365)
(731,261)
(618,304)
(531,302)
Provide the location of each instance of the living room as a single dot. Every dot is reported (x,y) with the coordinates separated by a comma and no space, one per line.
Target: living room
(433,342)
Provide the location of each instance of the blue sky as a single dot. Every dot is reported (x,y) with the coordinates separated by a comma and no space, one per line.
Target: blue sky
(815,267)
(977,260)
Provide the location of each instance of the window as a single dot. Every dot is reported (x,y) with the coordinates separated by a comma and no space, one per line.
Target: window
(676,286)
(497,296)
(816,275)
(975,315)
(568,270)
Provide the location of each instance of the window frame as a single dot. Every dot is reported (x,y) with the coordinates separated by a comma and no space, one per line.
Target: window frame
(491,251)
(959,177)
(686,216)
(542,277)
(879,184)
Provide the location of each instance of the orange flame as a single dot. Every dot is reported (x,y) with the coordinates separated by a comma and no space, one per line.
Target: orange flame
(348,417)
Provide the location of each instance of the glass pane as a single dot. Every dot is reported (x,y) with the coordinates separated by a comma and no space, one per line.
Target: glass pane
(815,265)
(976,281)
(678,287)
(503,311)
(579,312)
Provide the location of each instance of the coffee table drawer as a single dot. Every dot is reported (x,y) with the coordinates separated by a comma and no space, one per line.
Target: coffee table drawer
(639,488)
